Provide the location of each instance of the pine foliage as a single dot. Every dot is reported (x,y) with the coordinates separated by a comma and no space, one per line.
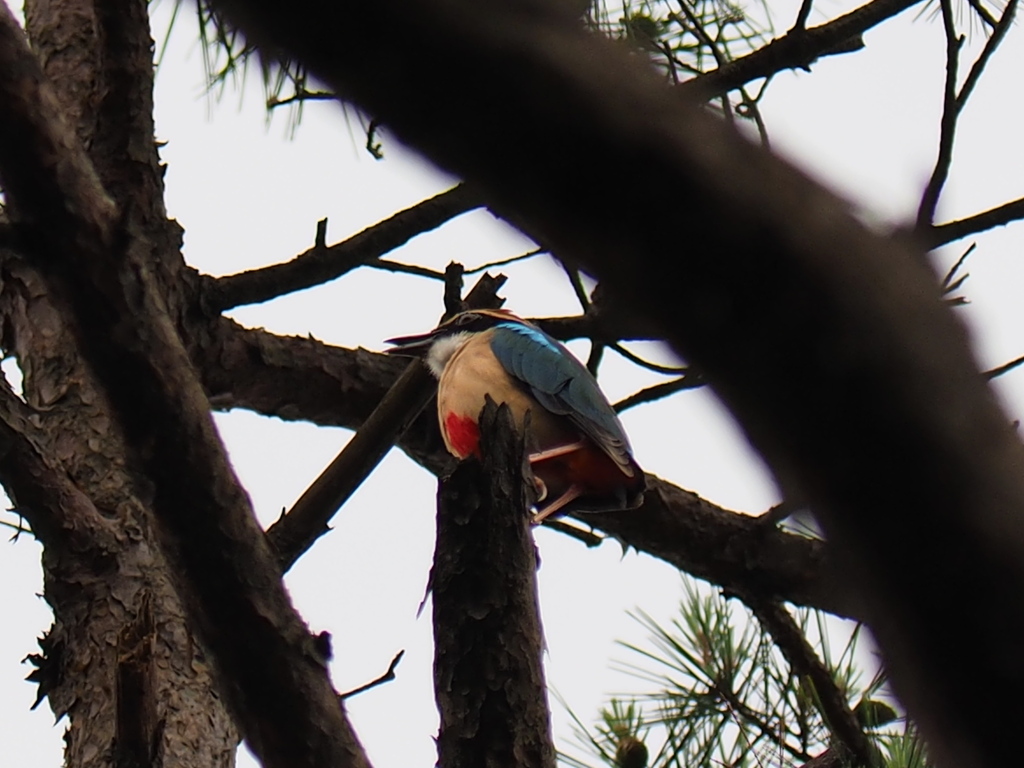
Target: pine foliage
(722,694)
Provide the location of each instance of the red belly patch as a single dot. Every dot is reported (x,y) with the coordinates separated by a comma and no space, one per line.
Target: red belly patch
(462,435)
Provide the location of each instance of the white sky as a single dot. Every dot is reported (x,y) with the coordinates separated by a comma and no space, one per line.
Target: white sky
(247,196)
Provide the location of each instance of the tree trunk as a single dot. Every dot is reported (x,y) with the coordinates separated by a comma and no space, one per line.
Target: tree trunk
(119,660)
(488,641)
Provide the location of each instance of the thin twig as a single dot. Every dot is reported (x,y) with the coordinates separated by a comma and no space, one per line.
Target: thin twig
(595,357)
(742,711)
(667,369)
(951,283)
(577,285)
(748,106)
(698,29)
(387,677)
(18,528)
(506,262)
(727,110)
(670,58)
(695,25)
(453,284)
(408,269)
(979,222)
(596,346)
(947,282)
(803,14)
(301,96)
(659,391)
(993,42)
(1004,368)
(748,109)
(950,113)
(954,102)
(983,13)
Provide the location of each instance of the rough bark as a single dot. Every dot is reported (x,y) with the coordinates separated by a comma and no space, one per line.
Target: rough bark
(101,565)
(100,562)
(95,256)
(488,676)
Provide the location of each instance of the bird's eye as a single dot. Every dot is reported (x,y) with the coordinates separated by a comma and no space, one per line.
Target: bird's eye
(466,319)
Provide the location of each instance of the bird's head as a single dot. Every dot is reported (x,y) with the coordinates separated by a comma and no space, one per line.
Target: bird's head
(437,347)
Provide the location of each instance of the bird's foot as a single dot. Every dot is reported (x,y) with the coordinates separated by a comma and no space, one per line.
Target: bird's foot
(572,494)
(554,453)
(540,489)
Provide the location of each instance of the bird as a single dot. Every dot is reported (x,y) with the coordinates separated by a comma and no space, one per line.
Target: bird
(578,451)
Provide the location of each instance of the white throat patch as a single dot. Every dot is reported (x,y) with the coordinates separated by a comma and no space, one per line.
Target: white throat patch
(441,351)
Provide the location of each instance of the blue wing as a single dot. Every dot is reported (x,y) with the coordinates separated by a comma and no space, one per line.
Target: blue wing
(561,384)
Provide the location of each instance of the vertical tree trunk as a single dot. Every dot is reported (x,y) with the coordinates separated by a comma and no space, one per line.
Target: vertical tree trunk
(119,660)
(488,676)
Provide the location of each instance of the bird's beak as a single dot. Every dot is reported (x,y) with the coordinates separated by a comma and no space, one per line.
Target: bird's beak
(411,346)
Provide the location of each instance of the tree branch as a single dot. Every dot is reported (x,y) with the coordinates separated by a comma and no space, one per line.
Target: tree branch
(42,494)
(230,585)
(300,96)
(297,529)
(639,361)
(320,264)
(728,548)
(804,662)
(689,380)
(979,222)
(803,14)
(505,262)
(1004,368)
(387,265)
(797,49)
(954,102)
(947,128)
(991,45)
(387,677)
(983,13)
(770,732)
